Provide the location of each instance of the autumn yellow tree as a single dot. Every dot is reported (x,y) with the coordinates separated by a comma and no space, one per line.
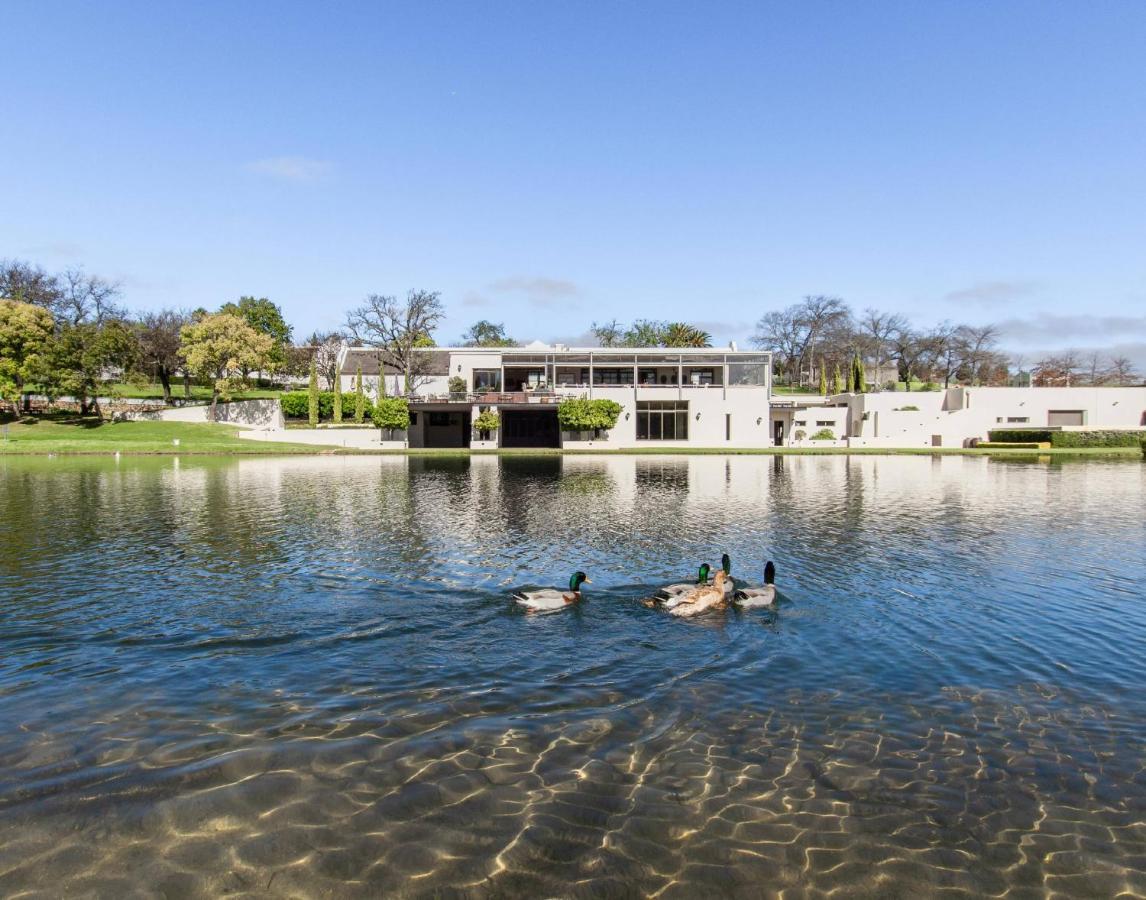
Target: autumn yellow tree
(222,347)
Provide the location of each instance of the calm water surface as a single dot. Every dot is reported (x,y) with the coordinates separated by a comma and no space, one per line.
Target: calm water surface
(304,677)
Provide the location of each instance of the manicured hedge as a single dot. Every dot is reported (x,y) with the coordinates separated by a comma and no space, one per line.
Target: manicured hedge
(296,405)
(1069,438)
(1012,445)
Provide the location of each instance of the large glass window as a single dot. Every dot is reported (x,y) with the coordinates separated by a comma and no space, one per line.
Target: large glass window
(748,371)
(613,376)
(487,379)
(662,420)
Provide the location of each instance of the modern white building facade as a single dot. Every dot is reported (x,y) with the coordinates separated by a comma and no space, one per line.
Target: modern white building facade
(688,397)
(709,398)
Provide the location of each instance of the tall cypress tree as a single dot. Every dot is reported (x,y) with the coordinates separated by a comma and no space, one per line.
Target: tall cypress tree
(823,378)
(858,375)
(837,381)
(312,396)
(338,397)
(359,398)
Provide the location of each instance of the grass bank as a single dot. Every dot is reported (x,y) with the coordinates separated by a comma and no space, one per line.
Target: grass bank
(92,437)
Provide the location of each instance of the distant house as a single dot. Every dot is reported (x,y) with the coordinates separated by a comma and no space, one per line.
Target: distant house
(689,397)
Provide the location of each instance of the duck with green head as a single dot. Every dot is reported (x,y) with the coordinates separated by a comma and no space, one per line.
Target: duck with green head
(670,594)
(759,596)
(549,599)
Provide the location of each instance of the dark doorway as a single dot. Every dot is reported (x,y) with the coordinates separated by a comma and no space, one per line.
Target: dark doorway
(778,432)
(445,429)
(529,428)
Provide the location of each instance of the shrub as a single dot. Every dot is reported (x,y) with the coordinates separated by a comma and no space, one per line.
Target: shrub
(296,405)
(911,407)
(1068,439)
(1144,448)
(457,384)
(312,397)
(799,434)
(359,398)
(487,421)
(1016,445)
(824,434)
(582,414)
(392,414)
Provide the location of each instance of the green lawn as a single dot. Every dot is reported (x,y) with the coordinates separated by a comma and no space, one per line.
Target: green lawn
(90,436)
(198,392)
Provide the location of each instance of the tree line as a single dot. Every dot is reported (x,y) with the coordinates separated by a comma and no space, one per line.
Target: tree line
(64,333)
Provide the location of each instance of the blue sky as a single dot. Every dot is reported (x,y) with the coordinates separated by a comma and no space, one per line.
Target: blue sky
(548,164)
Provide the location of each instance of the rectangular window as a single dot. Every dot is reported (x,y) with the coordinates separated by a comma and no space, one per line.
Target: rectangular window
(487,379)
(1018,420)
(612,376)
(800,422)
(728,426)
(829,423)
(748,372)
(700,376)
(1066,417)
(662,420)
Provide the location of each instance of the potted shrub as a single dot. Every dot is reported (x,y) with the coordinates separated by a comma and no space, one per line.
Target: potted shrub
(391,414)
(487,421)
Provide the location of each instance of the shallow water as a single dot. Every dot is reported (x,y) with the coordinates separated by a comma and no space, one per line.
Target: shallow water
(299,677)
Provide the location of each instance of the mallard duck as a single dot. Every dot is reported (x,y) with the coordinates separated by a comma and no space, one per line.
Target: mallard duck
(672,591)
(702,599)
(553,598)
(670,594)
(760,596)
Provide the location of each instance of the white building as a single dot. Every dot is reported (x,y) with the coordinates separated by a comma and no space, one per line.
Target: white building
(689,397)
(957,416)
(706,398)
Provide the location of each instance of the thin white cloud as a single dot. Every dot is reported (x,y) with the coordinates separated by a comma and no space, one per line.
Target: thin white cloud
(540,291)
(290,168)
(61,249)
(1048,329)
(472,298)
(992,292)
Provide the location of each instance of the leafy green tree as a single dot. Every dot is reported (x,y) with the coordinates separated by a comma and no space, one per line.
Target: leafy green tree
(859,378)
(392,414)
(221,347)
(681,334)
(488,420)
(338,399)
(582,414)
(25,337)
(312,396)
(81,354)
(359,397)
(456,384)
(266,318)
(487,334)
(645,333)
(158,334)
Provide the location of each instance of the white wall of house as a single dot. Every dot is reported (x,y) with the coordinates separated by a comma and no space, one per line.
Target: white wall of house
(953,417)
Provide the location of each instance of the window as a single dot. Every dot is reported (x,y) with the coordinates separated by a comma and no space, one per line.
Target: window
(1018,420)
(612,376)
(662,420)
(800,422)
(413,418)
(1066,417)
(487,379)
(821,423)
(749,371)
(728,426)
(700,376)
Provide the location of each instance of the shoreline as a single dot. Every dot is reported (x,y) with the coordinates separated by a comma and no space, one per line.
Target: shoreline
(287,450)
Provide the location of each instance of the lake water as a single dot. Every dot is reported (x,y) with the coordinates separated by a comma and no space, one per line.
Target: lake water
(305,676)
